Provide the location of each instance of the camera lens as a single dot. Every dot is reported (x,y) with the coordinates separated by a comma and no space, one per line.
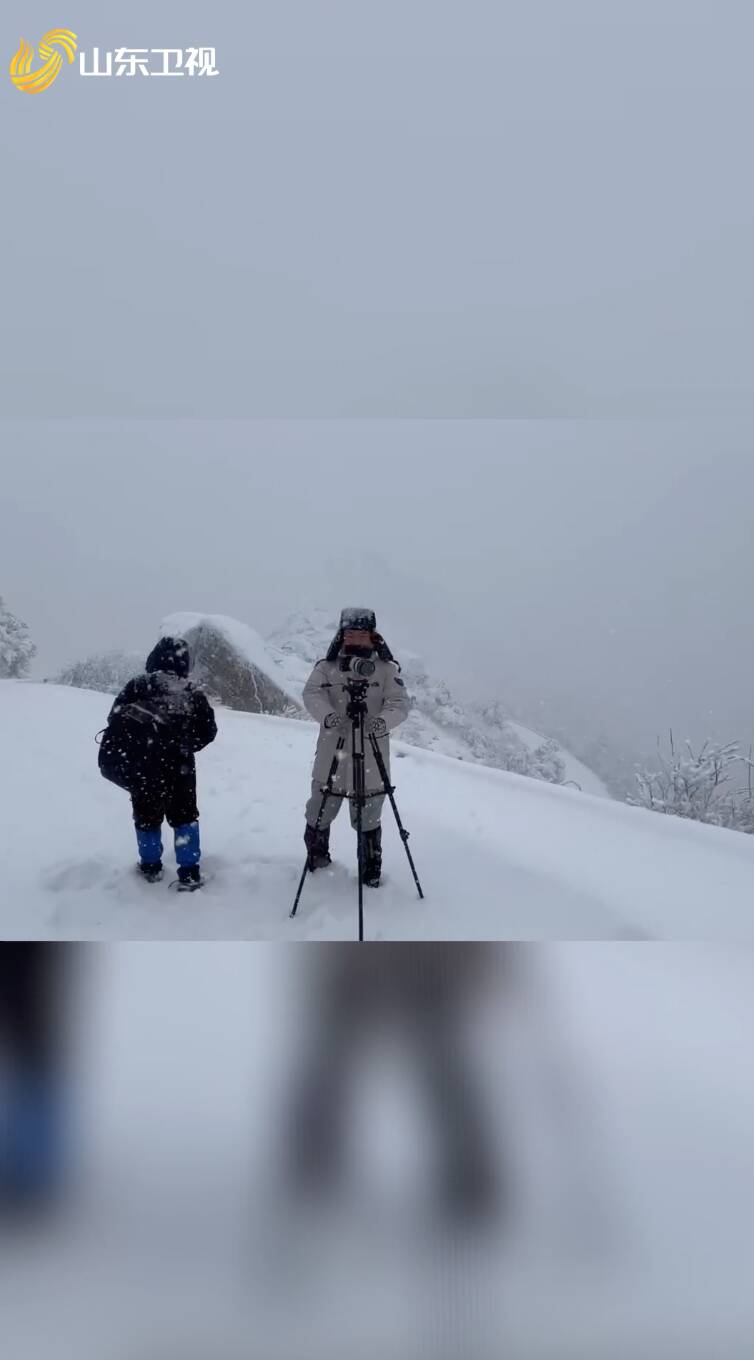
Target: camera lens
(357,665)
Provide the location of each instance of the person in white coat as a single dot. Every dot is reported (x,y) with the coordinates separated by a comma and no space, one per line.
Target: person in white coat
(327,698)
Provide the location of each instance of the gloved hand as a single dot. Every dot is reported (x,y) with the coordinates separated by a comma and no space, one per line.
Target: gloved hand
(335,723)
(375,727)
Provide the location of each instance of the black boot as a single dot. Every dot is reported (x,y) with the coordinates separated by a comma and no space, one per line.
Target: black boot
(189,878)
(151,872)
(318,846)
(373,857)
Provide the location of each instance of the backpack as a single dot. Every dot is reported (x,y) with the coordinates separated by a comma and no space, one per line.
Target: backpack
(130,744)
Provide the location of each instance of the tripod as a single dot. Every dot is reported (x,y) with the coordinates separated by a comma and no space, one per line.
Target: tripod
(356,711)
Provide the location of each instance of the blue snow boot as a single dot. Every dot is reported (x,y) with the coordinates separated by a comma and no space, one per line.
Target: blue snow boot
(188,850)
(150,853)
(188,853)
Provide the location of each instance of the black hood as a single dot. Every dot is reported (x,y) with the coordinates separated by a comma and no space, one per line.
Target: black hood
(171,655)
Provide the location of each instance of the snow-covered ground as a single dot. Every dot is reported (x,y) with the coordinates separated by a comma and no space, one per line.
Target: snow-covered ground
(500,856)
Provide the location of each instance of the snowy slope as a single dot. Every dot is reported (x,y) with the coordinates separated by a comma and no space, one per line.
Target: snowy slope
(576,771)
(500,856)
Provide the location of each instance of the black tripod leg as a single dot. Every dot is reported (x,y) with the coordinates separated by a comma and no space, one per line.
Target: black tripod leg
(360,853)
(404,834)
(358,779)
(302,880)
(325,795)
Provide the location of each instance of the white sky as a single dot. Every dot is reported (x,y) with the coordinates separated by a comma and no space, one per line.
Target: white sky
(431,208)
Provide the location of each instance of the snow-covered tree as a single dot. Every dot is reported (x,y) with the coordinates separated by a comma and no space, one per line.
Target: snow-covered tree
(16,646)
(703,786)
(104,671)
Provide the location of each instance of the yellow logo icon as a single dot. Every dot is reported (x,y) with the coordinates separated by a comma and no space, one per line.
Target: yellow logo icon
(21,73)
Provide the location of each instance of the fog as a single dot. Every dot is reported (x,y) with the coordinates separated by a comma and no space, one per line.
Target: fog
(380,210)
(594,575)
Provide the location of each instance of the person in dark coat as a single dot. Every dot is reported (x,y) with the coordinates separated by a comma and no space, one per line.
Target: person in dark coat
(171,720)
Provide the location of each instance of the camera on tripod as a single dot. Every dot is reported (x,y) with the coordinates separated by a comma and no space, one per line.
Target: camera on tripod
(357,665)
(357,698)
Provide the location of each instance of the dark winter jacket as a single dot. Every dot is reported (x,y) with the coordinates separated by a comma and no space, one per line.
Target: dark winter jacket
(172,719)
(183,716)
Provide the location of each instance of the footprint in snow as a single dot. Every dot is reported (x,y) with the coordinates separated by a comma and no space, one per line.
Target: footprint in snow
(80,876)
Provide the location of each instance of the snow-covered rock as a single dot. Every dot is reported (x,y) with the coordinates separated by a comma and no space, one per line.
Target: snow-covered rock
(233,664)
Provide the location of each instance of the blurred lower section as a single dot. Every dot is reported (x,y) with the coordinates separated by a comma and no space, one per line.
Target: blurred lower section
(33,1089)
(382,1151)
(408,1004)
